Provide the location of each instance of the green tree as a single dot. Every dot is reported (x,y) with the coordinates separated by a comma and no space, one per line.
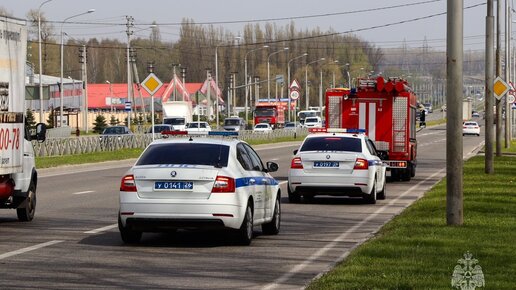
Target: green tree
(30,121)
(100,124)
(113,121)
(50,120)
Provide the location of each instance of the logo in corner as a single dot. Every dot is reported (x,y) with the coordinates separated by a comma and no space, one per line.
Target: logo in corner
(467,275)
(173,174)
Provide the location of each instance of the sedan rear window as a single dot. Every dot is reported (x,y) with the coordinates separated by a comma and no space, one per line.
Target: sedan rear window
(186,153)
(332,144)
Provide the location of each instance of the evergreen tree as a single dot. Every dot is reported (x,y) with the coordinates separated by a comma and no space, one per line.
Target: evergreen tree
(113,121)
(100,124)
(30,121)
(50,120)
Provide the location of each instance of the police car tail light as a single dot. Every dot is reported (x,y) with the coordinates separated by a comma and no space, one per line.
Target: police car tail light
(128,183)
(223,184)
(296,163)
(361,163)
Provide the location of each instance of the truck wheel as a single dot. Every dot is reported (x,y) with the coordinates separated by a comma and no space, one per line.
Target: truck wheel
(273,227)
(128,236)
(413,171)
(407,173)
(27,208)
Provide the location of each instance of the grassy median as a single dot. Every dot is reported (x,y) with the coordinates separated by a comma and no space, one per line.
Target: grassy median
(53,161)
(417,250)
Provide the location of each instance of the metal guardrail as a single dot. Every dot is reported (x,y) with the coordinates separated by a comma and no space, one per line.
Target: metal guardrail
(60,146)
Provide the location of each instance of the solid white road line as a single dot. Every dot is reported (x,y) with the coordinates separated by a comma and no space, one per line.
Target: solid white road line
(28,249)
(103,229)
(285,277)
(83,192)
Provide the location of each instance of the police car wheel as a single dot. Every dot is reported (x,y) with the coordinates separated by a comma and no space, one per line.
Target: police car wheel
(371,197)
(293,197)
(273,227)
(128,236)
(245,233)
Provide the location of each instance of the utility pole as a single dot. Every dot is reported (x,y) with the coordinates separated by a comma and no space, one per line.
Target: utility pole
(84,77)
(489,82)
(129,31)
(507,72)
(454,142)
(498,119)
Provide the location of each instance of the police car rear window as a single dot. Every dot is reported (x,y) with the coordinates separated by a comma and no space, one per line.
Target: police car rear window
(186,153)
(333,143)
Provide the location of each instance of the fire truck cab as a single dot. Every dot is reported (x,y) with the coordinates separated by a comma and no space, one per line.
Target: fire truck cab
(387,112)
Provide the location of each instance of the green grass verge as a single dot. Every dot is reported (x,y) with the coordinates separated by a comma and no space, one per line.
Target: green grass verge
(512,149)
(54,161)
(417,250)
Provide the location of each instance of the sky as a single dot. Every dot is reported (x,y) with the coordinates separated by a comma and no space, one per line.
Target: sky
(371,20)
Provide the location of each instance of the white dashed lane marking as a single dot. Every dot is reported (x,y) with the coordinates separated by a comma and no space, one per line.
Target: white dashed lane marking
(28,249)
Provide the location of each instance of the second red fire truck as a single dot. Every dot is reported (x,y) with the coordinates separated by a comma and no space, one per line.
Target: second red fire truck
(386,109)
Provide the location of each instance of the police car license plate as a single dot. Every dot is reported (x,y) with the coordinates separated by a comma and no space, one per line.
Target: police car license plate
(326,164)
(173,185)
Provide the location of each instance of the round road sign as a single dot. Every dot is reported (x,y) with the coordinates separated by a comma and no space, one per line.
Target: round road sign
(510,98)
(294,94)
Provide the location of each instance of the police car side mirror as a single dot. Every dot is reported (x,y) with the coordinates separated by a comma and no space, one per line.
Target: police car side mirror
(272,166)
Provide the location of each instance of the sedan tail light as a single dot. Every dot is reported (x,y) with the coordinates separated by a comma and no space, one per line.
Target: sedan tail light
(128,183)
(361,163)
(223,184)
(296,163)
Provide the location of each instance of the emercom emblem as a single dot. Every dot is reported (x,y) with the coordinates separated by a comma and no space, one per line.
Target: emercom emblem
(467,275)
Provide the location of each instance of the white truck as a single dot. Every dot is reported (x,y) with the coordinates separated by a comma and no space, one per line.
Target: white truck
(177,114)
(18,175)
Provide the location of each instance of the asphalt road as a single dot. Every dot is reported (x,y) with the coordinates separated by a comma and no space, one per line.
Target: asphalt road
(73,241)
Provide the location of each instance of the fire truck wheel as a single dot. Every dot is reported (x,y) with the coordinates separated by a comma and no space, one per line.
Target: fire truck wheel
(27,208)
(413,171)
(293,197)
(371,197)
(395,175)
(406,174)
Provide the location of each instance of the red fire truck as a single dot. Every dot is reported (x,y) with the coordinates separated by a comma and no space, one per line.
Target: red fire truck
(272,113)
(387,112)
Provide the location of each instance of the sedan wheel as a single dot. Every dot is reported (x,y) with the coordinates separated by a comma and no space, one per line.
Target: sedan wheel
(245,233)
(371,197)
(273,227)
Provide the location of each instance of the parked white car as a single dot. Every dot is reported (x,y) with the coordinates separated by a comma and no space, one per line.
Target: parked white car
(340,164)
(198,127)
(262,128)
(199,182)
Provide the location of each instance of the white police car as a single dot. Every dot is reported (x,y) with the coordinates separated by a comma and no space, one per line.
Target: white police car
(330,162)
(196,182)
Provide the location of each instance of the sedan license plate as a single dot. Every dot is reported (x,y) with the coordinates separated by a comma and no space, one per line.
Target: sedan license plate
(326,164)
(173,185)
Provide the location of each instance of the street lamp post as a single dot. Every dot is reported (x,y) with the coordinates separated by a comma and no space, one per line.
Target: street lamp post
(41,112)
(110,94)
(62,57)
(269,73)
(288,79)
(246,78)
(307,94)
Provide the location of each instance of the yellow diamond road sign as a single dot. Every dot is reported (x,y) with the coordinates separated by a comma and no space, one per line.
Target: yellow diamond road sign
(151,84)
(500,88)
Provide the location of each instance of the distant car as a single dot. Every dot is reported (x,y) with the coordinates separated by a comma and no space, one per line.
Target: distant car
(198,127)
(160,128)
(313,122)
(475,114)
(234,124)
(428,108)
(470,128)
(262,127)
(291,126)
(115,133)
(199,183)
(339,164)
